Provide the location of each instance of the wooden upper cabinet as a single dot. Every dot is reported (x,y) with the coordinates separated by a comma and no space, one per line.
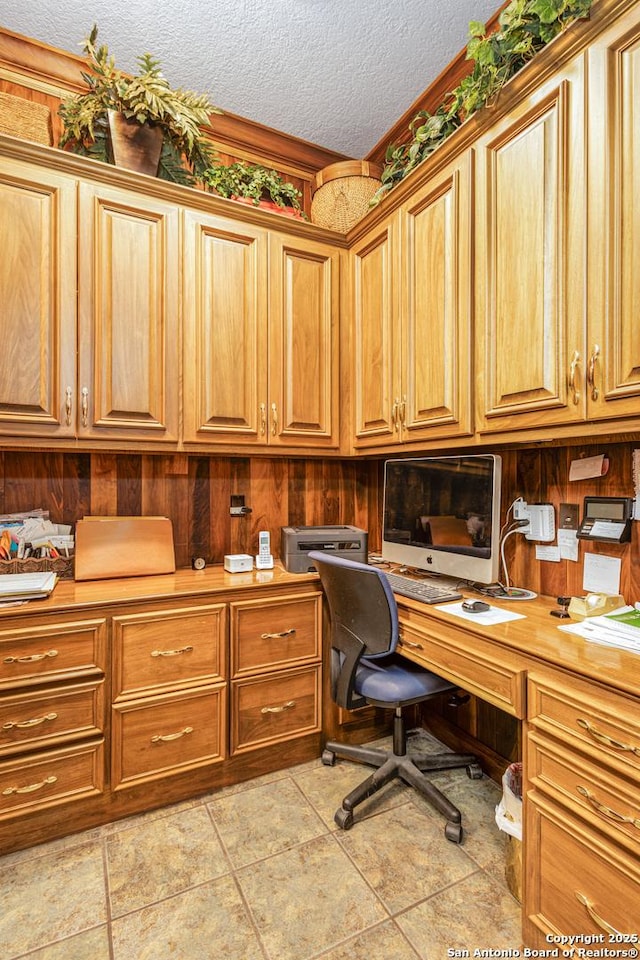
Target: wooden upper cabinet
(613,360)
(375,269)
(530,257)
(302,399)
(225,330)
(412,316)
(37,301)
(436,396)
(129,344)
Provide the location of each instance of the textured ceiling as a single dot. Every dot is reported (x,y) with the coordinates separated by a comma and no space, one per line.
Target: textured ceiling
(338,73)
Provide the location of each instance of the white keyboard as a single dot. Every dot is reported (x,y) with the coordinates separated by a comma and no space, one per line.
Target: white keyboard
(423,591)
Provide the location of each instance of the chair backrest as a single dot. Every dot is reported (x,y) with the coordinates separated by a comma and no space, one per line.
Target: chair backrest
(364,618)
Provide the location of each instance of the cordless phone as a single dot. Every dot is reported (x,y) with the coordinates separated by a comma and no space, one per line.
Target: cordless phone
(264,560)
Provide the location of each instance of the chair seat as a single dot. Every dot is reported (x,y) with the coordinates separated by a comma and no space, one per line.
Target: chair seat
(393,681)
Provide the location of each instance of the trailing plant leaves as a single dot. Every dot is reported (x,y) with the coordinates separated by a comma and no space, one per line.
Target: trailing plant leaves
(524,28)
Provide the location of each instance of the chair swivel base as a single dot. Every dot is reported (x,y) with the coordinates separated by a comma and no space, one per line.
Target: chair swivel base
(410,769)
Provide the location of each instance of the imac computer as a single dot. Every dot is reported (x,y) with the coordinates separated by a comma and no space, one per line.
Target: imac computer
(442,515)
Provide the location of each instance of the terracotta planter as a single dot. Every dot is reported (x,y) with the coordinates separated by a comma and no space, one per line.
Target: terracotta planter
(136,146)
(270,205)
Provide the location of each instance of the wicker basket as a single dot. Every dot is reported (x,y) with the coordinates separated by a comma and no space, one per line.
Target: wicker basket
(342,193)
(63,566)
(25,119)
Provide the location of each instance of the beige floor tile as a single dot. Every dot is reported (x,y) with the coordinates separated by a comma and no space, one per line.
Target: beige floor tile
(91,945)
(203,923)
(264,821)
(308,899)
(384,942)
(473,914)
(160,858)
(51,897)
(404,856)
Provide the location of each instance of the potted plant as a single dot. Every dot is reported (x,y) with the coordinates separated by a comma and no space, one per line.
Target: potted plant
(255,184)
(138,106)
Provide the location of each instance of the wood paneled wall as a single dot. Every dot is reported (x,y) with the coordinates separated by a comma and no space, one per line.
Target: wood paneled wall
(195,492)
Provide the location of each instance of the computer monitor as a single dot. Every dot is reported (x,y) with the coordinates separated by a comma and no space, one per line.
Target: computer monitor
(442,515)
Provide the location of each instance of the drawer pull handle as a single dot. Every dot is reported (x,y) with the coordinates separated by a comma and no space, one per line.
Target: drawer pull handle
(30,788)
(594,916)
(410,644)
(171,653)
(604,810)
(285,706)
(34,722)
(607,741)
(32,658)
(278,636)
(159,738)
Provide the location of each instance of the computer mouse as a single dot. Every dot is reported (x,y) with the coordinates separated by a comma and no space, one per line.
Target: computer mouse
(475,606)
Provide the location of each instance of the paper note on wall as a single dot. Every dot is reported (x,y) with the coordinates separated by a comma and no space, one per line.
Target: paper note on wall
(588,467)
(601,574)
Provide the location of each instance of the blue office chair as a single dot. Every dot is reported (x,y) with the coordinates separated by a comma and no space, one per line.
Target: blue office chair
(366,670)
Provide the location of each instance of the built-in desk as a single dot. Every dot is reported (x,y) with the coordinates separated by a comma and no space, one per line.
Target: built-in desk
(579,705)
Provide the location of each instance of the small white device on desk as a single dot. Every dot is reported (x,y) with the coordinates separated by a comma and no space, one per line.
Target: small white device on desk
(264,560)
(238,562)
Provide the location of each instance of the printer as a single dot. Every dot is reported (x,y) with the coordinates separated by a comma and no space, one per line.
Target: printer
(340,541)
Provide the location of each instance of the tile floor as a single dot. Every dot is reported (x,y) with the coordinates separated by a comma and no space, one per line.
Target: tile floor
(259,871)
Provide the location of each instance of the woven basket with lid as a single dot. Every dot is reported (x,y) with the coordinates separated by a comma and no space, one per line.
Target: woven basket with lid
(342,193)
(25,119)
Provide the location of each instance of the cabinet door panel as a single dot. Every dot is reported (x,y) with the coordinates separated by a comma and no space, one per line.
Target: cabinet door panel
(436,398)
(613,368)
(225,338)
(531,262)
(37,301)
(376,330)
(129,371)
(303,343)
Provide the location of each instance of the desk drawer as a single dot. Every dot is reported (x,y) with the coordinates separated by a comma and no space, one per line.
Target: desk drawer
(603,724)
(274,708)
(41,653)
(29,721)
(169,648)
(277,633)
(160,736)
(597,794)
(48,779)
(493,675)
(579,883)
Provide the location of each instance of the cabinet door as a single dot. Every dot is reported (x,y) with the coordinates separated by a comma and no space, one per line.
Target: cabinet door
(436,342)
(225,331)
(376,336)
(37,301)
(128,301)
(304,297)
(613,365)
(530,247)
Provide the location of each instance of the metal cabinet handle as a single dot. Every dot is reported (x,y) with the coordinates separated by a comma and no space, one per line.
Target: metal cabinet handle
(274,420)
(171,653)
(403,411)
(285,706)
(604,810)
(160,738)
(605,740)
(410,644)
(84,405)
(595,917)
(33,722)
(573,370)
(394,414)
(31,788)
(68,405)
(591,373)
(263,419)
(32,658)
(278,636)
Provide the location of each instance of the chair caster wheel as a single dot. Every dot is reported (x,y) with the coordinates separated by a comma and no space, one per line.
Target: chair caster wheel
(328,758)
(344,818)
(474,771)
(453,832)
